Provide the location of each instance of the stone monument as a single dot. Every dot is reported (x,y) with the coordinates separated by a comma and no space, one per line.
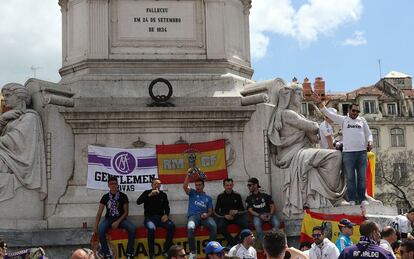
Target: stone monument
(193,55)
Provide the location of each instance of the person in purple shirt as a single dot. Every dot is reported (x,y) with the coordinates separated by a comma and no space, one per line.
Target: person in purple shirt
(367,247)
(200,210)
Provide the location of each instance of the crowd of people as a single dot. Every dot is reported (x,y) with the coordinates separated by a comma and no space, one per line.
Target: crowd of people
(229,209)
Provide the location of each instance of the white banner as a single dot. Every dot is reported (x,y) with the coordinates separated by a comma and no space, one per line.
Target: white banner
(135,168)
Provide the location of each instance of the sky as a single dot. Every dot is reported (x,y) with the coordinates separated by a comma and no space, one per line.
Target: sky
(350,43)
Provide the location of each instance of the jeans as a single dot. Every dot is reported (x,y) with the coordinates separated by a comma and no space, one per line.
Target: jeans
(351,162)
(193,222)
(222,224)
(106,224)
(151,223)
(257,222)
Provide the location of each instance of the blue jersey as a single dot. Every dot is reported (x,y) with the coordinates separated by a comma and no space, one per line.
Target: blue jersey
(364,250)
(343,241)
(198,203)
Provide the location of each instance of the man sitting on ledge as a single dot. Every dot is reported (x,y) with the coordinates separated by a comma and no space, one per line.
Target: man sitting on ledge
(200,209)
(116,204)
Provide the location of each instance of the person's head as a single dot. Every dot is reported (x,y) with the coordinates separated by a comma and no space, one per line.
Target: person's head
(354,111)
(253,184)
(3,248)
(156,184)
(346,227)
(318,234)
(296,97)
(83,253)
(199,185)
(214,250)
(228,185)
(410,215)
(305,246)
(370,229)
(407,249)
(113,183)
(332,110)
(176,252)
(274,244)
(247,237)
(388,233)
(15,95)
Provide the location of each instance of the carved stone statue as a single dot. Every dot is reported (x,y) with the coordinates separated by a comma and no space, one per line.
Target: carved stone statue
(22,155)
(314,179)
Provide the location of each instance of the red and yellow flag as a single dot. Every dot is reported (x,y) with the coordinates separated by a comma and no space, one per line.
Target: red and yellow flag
(370,174)
(173,161)
(312,219)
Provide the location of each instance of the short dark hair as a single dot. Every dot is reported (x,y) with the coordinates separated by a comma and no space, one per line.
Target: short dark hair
(409,244)
(320,228)
(173,251)
(155,179)
(367,228)
(354,104)
(411,210)
(387,231)
(305,244)
(274,243)
(199,180)
(112,178)
(227,180)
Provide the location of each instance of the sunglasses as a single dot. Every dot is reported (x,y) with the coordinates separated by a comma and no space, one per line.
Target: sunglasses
(316,235)
(357,111)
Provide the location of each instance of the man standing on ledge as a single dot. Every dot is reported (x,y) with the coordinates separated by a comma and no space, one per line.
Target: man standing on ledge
(156,212)
(230,210)
(116,204)
(261,207)
(200,210)
(357,140)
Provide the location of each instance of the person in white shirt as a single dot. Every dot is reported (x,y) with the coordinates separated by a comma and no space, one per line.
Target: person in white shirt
(244,249)
(326,132)
(357,140)
(388,237)
(322,248)
(403,223)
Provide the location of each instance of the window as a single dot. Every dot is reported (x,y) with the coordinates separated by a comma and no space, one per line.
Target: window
(399,81)
(304,109)
(391,108)
(402,207)
(370,107)
(345,108)
(397,137)
(399,172)
(375,137)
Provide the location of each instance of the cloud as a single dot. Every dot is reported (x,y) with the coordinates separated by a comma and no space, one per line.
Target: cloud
(357,40)
(31,36)
(306,24)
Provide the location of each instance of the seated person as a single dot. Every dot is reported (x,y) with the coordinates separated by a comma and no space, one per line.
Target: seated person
(116,204)
(200,210)
(261,206)
(156,211)
(230,210)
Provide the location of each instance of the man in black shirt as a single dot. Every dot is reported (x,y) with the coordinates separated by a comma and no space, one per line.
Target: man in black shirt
(230,210)
(261,207)
(156,211)
(116,204)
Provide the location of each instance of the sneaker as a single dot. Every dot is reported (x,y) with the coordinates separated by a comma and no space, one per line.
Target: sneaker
(192,255)
(365,203)
(351,203)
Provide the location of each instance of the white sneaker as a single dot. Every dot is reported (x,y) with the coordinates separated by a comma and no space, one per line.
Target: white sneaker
(192,256)
(351,203)
(365,203)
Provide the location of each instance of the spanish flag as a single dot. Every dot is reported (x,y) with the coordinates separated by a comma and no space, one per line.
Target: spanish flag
(173,160)
(330,222)
(370,174)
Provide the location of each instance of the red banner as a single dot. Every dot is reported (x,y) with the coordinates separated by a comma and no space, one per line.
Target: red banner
(173,160)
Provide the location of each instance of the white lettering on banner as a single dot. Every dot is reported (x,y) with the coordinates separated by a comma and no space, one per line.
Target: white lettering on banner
(172,164)
(200,204)
(208,161)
